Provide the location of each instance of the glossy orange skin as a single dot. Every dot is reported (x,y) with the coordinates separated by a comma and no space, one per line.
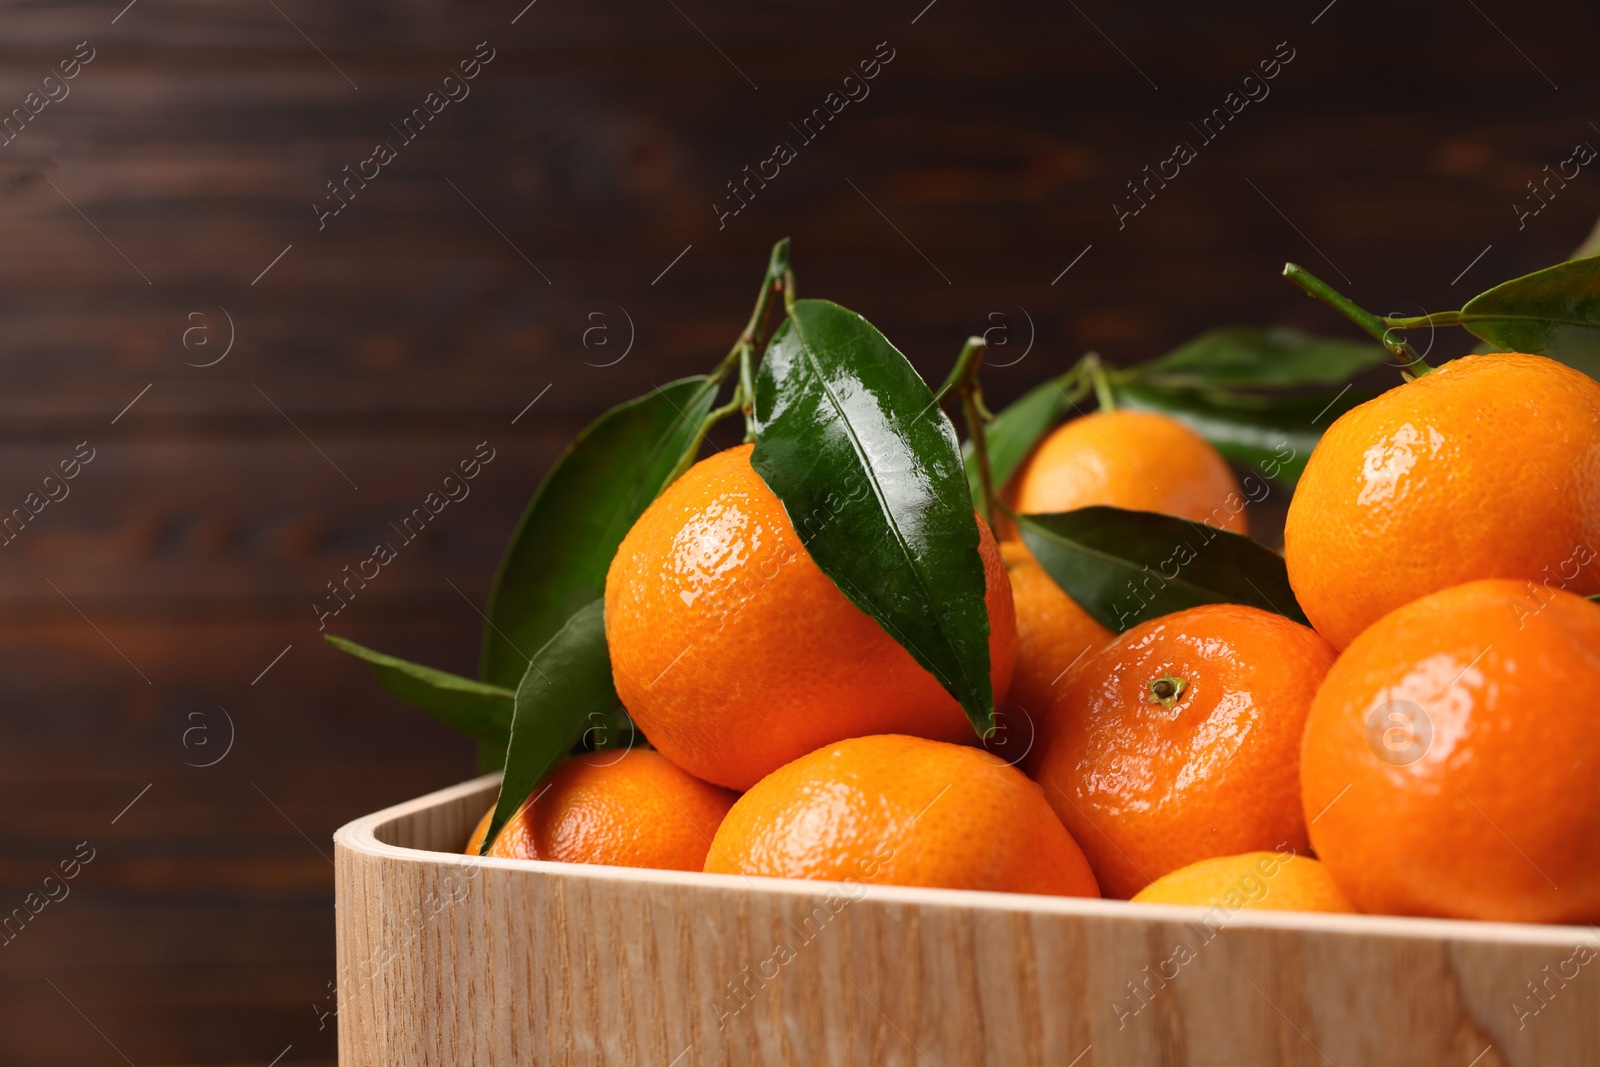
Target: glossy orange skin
(1254,881)
(1497,814)
(1053,634)
(897,810)
(1130,459)
(1146,789)
(627,808)
(735,654)
(1487,468)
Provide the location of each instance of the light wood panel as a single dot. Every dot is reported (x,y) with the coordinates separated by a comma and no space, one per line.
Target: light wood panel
(445,959)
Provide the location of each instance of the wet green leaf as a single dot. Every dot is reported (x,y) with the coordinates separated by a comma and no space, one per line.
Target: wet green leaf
(557,559)
(867,466)
(1124,567)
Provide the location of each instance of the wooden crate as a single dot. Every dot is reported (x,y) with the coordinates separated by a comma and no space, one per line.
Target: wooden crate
(451,960)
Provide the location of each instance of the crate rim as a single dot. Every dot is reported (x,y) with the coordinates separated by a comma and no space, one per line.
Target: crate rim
(361,835)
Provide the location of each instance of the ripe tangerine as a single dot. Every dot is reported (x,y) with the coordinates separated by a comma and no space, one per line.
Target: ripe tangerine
(1180,741)
(1451,761)
(628,808)
(1489,467)
(896,810)
(735,654)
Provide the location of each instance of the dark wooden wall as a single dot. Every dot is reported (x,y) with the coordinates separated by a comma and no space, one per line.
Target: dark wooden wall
(138,613)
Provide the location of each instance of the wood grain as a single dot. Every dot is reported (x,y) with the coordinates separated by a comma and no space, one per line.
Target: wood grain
(445,959)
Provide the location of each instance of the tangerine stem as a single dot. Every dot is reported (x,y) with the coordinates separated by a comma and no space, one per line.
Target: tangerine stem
(1096,372)
(964,380)
(1380,329)
(1166,690)
(747,392)
(778,275)
(971,351)
(1438,318)
(716,415)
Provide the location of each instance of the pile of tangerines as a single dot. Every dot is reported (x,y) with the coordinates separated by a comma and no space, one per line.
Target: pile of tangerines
(1429,746)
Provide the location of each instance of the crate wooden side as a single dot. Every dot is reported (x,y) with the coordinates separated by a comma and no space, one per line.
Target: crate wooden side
(451,960)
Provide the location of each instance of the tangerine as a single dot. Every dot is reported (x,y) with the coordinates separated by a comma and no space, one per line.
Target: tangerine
(899,810)
(1254,881)
(1180,741)
(1138,460)
(1451,763)
(628,808)
(735,654)
(1488,467)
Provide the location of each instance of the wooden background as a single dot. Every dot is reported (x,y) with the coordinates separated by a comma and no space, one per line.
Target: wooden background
(138,614)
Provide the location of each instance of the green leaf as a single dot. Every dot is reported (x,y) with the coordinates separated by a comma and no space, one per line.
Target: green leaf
(565,687)
(1254,357)
(1017,428)
(1124,567)
(867,466)
(1554,312)
(558,556)
(475,708)
(1273,435)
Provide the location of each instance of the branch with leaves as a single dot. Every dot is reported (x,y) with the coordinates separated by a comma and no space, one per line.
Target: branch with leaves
(906,549)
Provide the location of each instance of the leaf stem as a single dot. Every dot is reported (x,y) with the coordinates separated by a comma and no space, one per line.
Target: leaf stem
(747,393)
(778,275)
(972,350)
(751,342)
(743,354)
(1380,329)
(1095,370)
(1438,318)
(963,379)
(714,416)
